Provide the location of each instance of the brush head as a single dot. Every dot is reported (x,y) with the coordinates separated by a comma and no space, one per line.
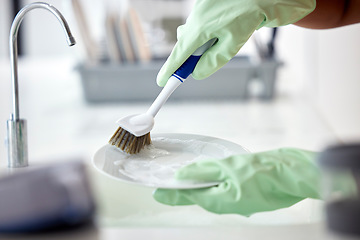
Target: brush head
(128,142)
(133,133)
(138,125)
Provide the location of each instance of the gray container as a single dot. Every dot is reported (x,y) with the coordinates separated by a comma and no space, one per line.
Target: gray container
(136,82)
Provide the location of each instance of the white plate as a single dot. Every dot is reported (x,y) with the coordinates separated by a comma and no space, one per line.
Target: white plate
(155,165)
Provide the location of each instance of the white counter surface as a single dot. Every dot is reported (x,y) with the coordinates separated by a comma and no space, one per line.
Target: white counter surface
(51,100)
(61,125)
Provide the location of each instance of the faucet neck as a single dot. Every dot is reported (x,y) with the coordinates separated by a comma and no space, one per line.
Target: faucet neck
(14,50)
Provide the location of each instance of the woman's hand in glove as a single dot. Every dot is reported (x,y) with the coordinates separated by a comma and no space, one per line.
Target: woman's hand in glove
(250,183)
(232,22)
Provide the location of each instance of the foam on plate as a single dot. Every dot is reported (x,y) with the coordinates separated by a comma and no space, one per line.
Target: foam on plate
(158,162)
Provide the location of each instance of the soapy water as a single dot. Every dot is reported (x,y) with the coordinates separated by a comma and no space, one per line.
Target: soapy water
(157,163)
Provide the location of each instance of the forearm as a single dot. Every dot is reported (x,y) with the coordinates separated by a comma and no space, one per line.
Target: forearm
(332,14)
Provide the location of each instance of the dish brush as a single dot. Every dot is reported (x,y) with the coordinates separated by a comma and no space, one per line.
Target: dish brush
(133,133)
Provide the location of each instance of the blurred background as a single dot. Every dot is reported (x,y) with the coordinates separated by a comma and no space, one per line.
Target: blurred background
(319,68)
(305,95)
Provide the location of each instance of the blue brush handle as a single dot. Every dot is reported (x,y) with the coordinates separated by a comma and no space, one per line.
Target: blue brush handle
(189,65)
(178,77)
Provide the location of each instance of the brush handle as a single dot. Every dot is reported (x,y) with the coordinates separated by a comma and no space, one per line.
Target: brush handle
(165,93)
(178,77)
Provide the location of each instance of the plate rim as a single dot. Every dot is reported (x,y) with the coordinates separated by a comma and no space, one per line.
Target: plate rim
(187,135)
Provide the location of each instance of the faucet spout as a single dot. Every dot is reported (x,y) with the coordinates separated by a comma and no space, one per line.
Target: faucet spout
(17,132)
(13,45)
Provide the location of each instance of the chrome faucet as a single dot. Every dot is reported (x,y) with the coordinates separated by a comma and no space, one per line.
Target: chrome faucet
(16,127)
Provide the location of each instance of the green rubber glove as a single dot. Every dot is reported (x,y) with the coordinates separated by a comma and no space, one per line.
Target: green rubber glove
(250,183)
(232,22)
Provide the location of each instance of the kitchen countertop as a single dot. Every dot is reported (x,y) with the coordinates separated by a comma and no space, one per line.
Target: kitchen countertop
(51,100)
(62,125)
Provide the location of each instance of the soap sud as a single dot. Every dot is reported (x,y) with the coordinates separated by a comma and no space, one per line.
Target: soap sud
(149,152)
(157,163)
